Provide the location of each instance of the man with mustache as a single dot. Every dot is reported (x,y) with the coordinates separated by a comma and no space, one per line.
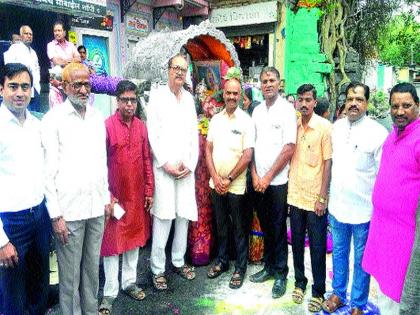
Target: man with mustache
(131,184)
(60,51)
(357,145)
(173,135)
(275,125)
(24,222)
(309,178)
(229,147)
(74,138)
(395,199)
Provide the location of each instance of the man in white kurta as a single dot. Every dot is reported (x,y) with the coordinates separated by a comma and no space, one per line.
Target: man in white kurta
(173,135)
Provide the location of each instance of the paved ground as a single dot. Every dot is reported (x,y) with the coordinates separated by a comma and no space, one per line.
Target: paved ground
(203,296)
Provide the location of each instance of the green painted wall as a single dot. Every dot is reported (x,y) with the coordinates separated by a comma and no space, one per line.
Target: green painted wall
(303,61)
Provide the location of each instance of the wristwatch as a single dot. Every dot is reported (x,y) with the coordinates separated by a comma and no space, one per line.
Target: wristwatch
(322,199)
(230,178)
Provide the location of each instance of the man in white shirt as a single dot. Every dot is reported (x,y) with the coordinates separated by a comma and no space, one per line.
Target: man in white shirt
(22,52)
(229,148)
(74,138)
(173,135)
(24,223)
(357,144)
(276,126)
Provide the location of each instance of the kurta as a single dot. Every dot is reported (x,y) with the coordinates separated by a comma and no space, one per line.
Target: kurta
(395,198)
(130,178)
(173,137)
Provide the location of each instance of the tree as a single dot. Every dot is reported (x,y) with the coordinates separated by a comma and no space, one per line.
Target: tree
(399,42)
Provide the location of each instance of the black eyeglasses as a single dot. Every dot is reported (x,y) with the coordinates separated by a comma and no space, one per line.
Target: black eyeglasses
(78,85)
(179,69)
(14,86)
(126,100)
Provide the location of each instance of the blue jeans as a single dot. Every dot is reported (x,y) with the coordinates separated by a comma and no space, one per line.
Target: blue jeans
(342,233)
(25,286)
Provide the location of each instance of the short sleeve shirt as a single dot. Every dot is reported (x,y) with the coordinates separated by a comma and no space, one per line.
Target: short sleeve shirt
(230,136)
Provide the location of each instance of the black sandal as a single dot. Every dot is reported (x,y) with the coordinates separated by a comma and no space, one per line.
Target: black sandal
(237,280)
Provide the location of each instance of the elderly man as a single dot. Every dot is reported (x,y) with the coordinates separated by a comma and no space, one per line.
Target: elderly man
(393,224)
(229,147)
(77,193)
(309,178)
(357,142)
(172,123)
(24,223)
(60,51)
(21,52)
(275,124)
(131,183)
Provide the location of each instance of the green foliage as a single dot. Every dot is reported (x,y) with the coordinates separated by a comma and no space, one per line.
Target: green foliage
(398,39)
(378,106)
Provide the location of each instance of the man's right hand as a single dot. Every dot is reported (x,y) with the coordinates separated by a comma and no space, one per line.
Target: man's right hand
(61,231)
(218,185)
(171,170)
(8,256)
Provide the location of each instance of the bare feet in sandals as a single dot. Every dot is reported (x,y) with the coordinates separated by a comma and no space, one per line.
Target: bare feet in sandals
(186,272)
(159,282)
(135,292)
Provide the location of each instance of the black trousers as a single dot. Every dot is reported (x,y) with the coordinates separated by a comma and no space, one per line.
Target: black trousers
(272,212)
(225,206)
(317,232)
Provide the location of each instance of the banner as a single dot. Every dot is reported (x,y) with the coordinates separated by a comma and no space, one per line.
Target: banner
(98,23)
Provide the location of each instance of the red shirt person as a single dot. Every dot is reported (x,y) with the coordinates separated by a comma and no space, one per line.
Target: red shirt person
(131,182)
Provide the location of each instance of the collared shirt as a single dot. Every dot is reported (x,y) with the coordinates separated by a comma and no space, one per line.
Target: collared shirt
(76,163)
(21,164)
(313,148)
(23,54)
(357,151)
(56,96)
(66,50)
(275,127)
(230,136)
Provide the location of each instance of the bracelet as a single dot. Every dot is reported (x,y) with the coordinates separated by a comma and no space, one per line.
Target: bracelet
(322,199)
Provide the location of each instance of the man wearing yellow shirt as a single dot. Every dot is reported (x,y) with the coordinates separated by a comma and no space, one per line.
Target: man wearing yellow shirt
(229,148)
(309,177)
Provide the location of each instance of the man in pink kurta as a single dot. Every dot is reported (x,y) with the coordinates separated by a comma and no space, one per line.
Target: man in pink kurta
(131,183)
(60,51)
(395,198)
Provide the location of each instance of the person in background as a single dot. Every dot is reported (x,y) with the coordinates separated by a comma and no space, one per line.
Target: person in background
(322,108)
(78,199)
(22,52)
(355,164)
(24,222)
(60,51)
(291,99)
(395,199)
(56,95)
(83,57)
(248,101)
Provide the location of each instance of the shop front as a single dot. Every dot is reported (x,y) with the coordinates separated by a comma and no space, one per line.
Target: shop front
(252,30)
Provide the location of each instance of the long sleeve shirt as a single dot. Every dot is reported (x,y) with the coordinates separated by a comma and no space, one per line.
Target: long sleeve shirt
(357,149)
(76,163)
(21,164)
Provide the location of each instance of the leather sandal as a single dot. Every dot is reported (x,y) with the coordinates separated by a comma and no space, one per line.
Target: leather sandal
(159,282)
(216,270)
(297,295)
(237,280)
(331,304)
(186,272)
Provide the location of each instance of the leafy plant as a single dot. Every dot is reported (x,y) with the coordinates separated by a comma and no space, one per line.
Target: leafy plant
(378,106)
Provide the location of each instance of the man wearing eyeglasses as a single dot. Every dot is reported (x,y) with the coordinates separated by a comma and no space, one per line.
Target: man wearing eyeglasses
(24,222)
(173,134)
(74,138)
(131,184)
(22,52)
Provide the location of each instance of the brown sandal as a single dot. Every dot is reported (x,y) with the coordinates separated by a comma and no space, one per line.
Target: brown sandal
(215,271)
(237,280)
(331,304)
(159,282)
(186,272)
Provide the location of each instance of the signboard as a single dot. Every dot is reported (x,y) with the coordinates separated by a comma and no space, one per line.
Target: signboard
(98,54)
(257,13)
(137,24)
(71,7)
(104,23)
(73,37)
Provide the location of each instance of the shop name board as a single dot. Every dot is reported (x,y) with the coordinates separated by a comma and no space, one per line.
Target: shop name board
(258,13)
(85,7)
(137,25)
(98,23)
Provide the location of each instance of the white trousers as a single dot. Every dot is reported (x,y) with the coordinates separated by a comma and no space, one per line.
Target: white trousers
(161,229)
(128,272)
(387,306)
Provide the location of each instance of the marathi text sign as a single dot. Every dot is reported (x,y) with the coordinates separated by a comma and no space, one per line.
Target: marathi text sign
(257,13)
(71,7)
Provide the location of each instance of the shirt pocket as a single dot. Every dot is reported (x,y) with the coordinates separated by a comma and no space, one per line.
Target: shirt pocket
(311,157)
(363,159)
(235,137)
(277,133)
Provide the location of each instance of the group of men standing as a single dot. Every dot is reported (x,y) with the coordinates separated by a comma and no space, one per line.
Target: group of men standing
(93,169)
